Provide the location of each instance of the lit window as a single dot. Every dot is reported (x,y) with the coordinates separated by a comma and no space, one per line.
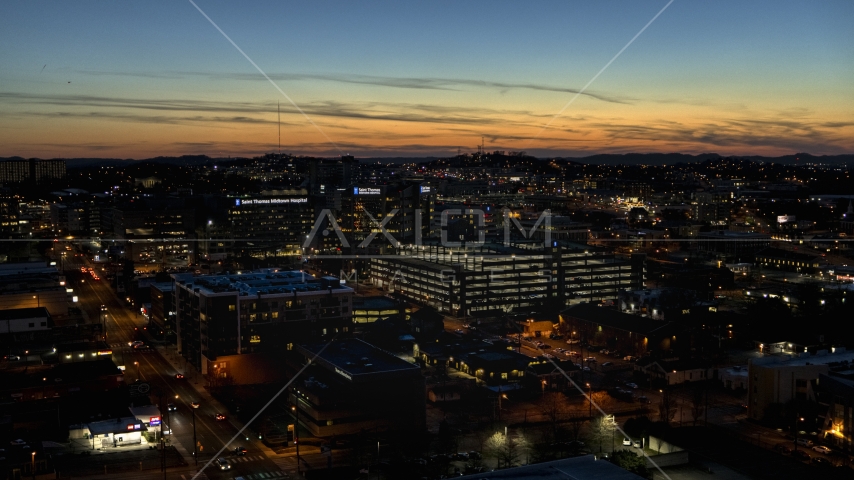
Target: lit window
(255,339)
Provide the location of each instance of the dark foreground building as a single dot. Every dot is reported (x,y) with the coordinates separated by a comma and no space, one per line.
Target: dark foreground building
(353,386)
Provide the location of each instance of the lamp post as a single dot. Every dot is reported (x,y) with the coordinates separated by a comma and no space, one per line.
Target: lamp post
(796,430)
(296,434)
(137,370)
(544,388)
(590,400)
(104,320)
(33,464)
(194,406)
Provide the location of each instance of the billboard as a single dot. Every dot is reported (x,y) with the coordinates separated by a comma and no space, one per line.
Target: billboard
(785,218)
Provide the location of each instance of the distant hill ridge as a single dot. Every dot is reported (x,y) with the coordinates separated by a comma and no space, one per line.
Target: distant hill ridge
(601,159)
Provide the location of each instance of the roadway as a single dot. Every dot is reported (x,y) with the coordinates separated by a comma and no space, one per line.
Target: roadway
(150,366)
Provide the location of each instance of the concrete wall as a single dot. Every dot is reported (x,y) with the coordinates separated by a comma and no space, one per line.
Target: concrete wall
(667,459)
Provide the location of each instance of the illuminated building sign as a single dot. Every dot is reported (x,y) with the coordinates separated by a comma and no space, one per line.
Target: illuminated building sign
(268,201)
(425,188)
(134,426)
(154,421)
(343,373)
(366,191)
(785,218)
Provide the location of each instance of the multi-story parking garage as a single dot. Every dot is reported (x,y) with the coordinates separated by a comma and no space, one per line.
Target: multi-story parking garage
(494,278)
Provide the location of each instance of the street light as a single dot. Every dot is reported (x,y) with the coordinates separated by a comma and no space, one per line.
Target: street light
(194,406)
(590,400)
(296,434)
(33,465)
(137,370)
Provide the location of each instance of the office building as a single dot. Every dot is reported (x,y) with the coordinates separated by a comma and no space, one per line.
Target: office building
(778,379)
(273,225)
(255,312)
(33,170)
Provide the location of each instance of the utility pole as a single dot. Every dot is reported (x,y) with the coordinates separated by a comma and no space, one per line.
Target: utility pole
(296,434)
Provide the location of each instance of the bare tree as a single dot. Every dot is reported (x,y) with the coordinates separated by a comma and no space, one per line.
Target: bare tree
(667,407)
(602,429)
(556,409)
(506,449)
(698,403)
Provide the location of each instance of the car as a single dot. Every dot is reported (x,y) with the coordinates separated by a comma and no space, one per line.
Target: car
(607,364)
(544,346)
(586,369)
(223,463)
(628,358)
(821,461)
(475,455)
(548,356)
(783,449)
(632,385)
(219,417)
(18,442)
(627,442)
(459,331)
(822,449)
(590,359)
(461,456)
(12,358)
(141,347)
(135,343)
(179,376)
(560,350)
(195,404)
(637,444)
(804,442)
(239,451)
(801,455)
(572,341)
(171,407)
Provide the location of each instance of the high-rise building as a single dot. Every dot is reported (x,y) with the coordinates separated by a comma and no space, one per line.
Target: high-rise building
(33,170)
(256,312)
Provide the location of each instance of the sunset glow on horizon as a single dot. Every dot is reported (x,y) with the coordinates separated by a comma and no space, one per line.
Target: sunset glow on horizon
(123,80)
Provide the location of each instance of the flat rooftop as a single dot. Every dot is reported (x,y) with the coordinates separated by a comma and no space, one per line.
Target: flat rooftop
(259,282)
(353,358)
(784,361)
(577,468)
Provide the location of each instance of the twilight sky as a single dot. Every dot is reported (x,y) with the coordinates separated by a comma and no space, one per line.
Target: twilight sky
(399,78)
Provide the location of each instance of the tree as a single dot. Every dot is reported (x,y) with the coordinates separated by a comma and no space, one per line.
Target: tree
(667,407)
(602,429)
(506,449)
(630,461)
(698,403)
(555,408)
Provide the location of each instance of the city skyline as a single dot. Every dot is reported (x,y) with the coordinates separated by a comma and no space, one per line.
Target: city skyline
(138,81)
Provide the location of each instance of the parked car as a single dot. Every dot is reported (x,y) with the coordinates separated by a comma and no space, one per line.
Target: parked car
(783,449)
(572,341)
(627,442)
(822,449)
(632,385)
(821,461)
(607,364)
(475,455)
(628,358)
(801,455)
(804,442)
(12,358)
(461,456)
